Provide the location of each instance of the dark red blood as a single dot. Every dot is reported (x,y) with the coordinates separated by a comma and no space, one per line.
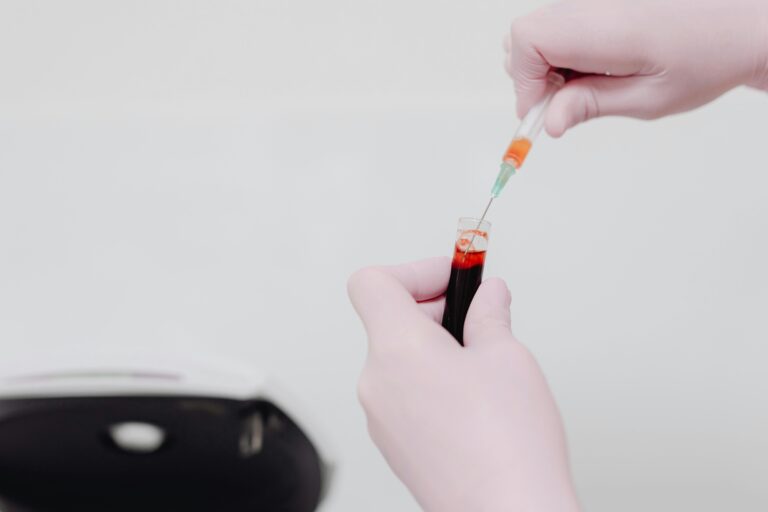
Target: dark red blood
(466,276)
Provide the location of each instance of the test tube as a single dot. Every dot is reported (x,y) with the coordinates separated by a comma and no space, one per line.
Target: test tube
(466,273)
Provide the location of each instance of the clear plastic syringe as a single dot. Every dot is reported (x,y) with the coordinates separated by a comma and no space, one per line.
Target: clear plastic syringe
(526,134)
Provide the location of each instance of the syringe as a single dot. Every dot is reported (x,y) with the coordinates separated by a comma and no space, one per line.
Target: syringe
(526,134)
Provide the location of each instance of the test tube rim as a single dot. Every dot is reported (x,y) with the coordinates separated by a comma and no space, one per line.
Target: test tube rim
(484,226)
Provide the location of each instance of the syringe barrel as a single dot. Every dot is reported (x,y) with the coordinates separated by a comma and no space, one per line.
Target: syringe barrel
(526,134)
(533,122)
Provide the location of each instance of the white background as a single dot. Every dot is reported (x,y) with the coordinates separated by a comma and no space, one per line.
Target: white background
(203,175)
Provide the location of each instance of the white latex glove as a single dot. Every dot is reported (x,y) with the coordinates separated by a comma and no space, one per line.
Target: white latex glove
(471,428)
(663,56)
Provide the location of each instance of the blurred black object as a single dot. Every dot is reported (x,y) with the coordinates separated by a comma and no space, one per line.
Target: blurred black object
(222,455)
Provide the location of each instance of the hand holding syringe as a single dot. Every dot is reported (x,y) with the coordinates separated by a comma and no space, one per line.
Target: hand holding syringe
(526,134)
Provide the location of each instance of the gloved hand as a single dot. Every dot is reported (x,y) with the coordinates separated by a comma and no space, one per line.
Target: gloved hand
(661,56)
(471,428)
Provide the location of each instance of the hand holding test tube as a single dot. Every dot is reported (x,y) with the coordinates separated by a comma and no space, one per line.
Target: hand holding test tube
(472,428)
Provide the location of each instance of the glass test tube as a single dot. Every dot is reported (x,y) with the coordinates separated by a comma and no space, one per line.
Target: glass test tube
(466,273)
